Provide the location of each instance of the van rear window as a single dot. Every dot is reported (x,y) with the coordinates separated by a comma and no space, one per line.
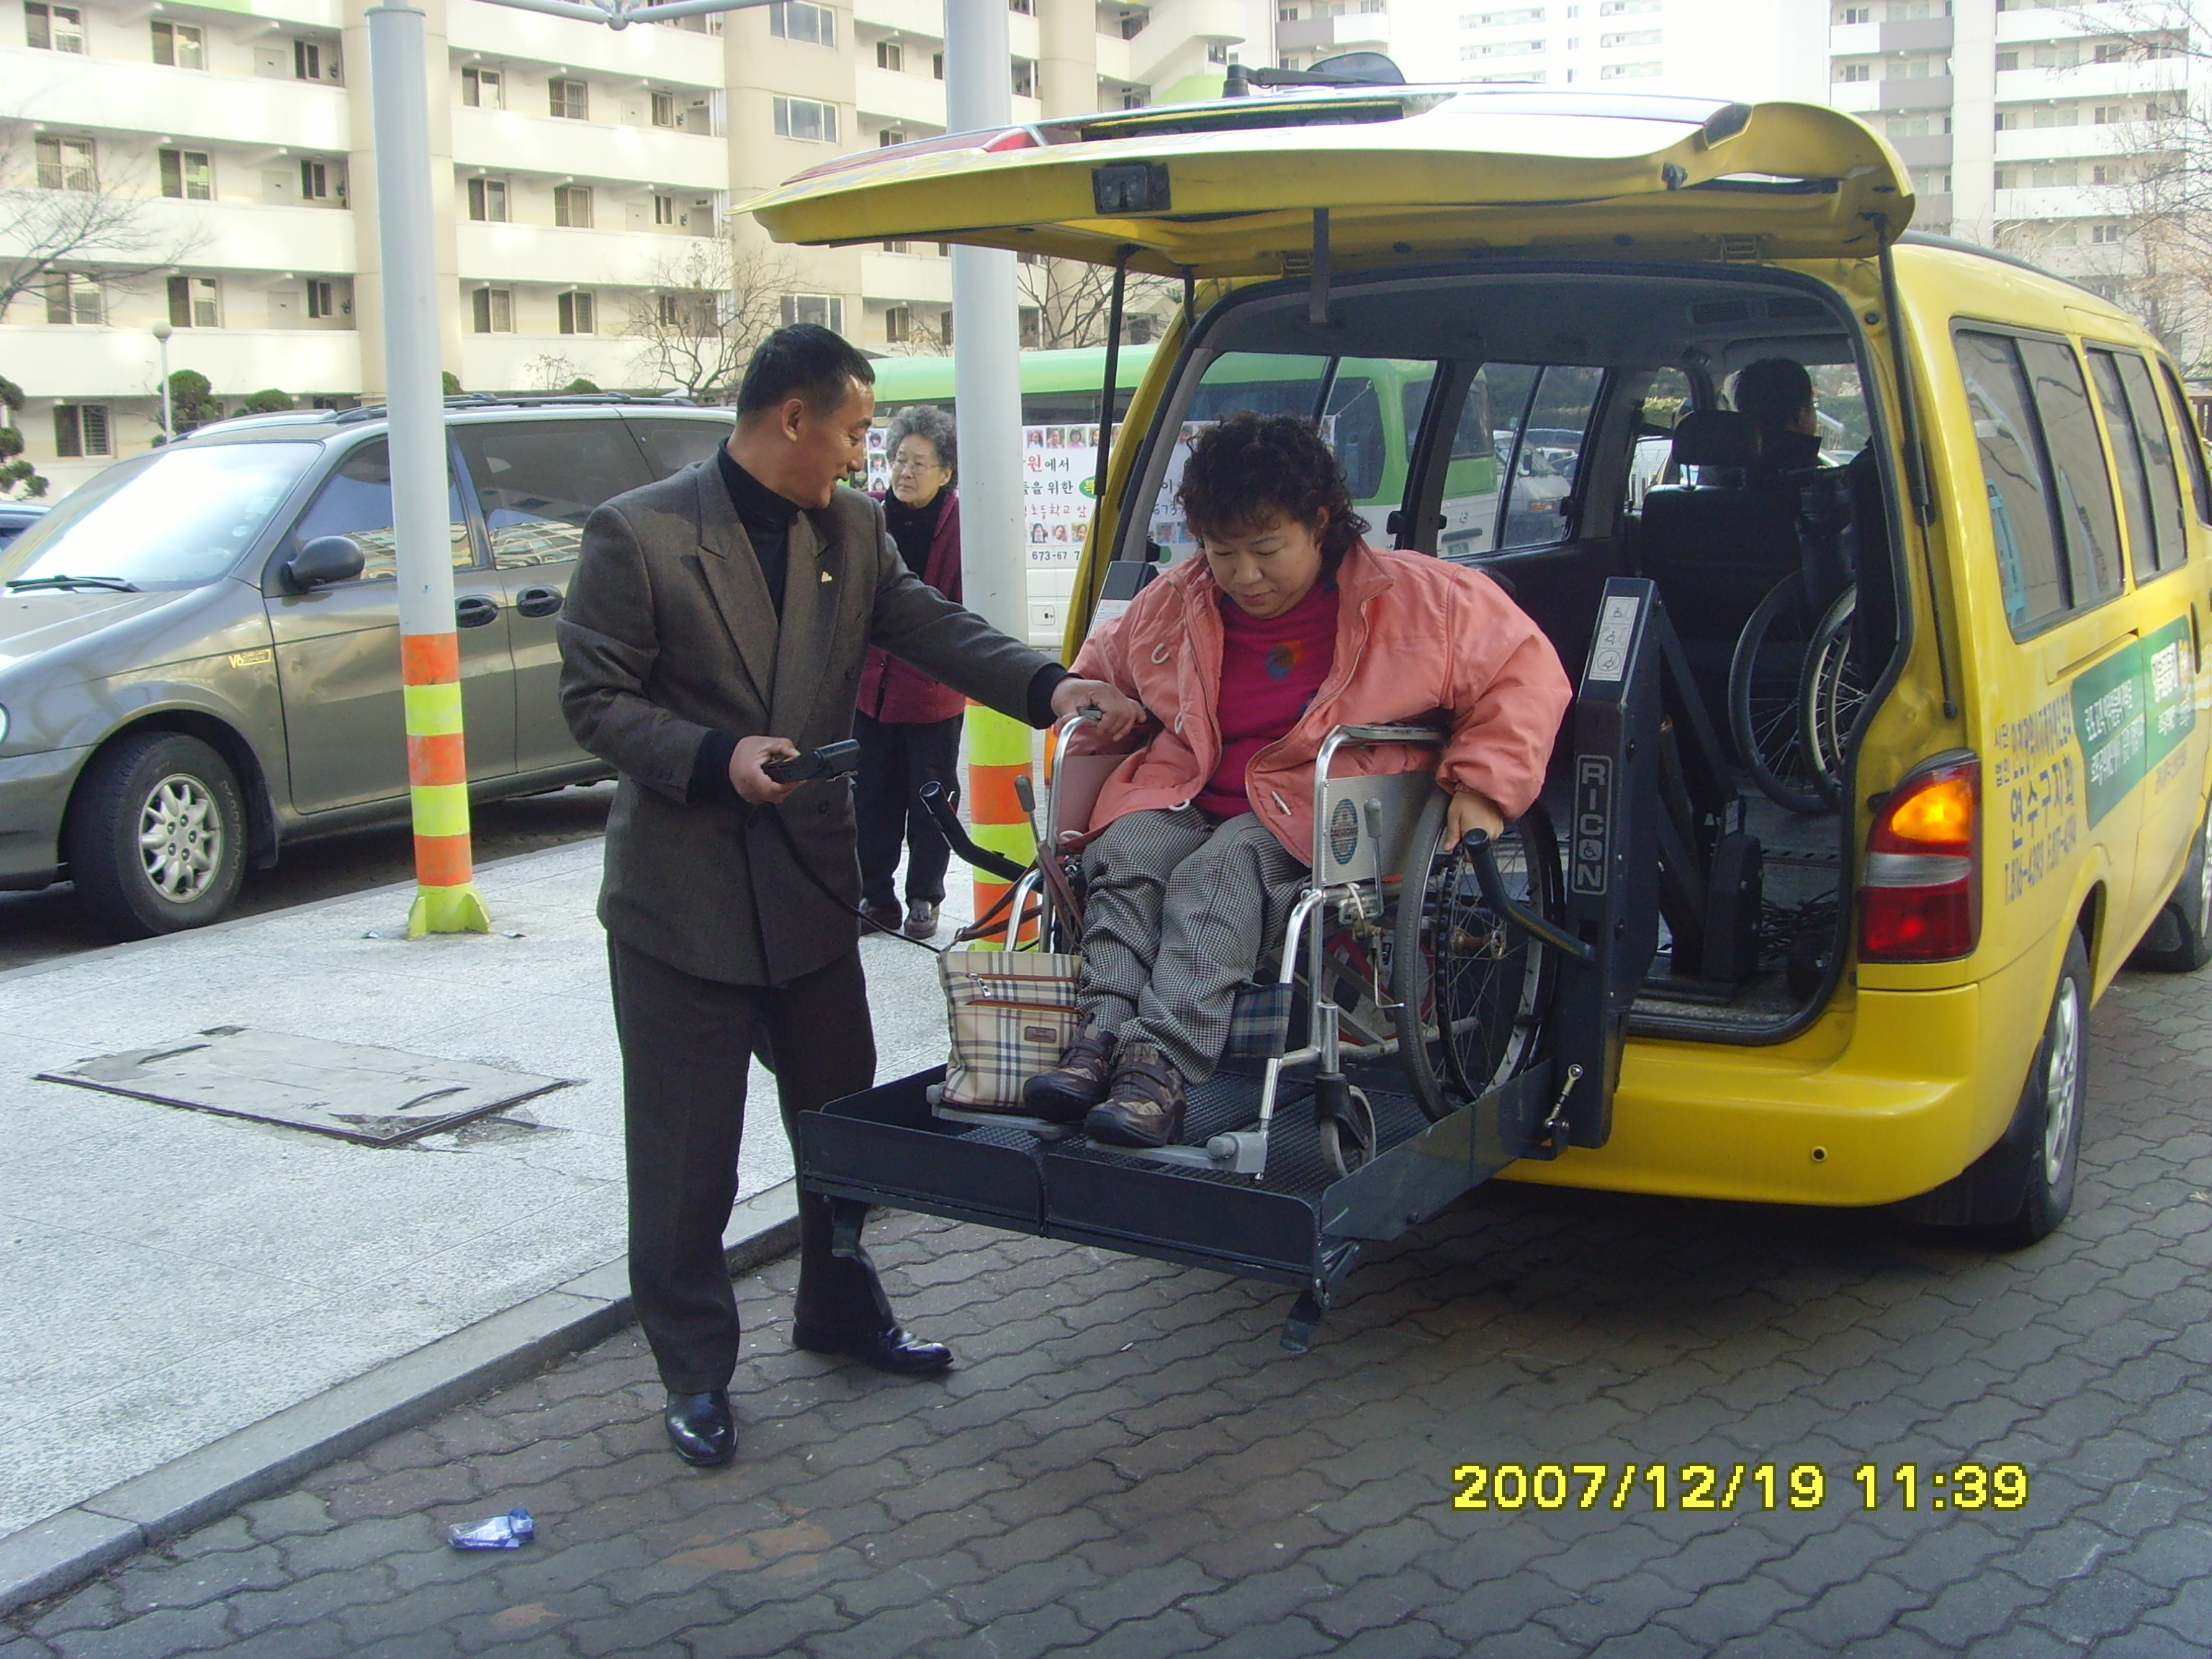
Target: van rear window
(2148,485)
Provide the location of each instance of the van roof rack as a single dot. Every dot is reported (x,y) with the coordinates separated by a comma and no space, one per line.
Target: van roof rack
(469,400)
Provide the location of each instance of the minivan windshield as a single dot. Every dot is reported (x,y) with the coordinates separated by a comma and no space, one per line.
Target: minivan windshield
(178,519)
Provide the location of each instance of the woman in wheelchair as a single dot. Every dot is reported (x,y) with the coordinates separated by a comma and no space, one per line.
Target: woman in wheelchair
(1289,625)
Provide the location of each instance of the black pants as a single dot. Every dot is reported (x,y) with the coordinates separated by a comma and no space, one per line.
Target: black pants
(685,1042)
(897,759)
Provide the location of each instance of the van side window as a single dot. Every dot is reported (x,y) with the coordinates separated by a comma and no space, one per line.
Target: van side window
(1547,445)
(2149,487)
(539,481)
(2085,513)
(2021,521)
(2200,486)
(355,500)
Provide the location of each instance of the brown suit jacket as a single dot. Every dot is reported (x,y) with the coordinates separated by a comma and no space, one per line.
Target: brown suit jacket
(668,634)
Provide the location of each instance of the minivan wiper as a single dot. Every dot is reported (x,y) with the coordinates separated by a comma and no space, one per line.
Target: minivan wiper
(115,583)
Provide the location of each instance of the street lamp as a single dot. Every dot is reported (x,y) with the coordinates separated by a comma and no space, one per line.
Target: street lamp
(161,331)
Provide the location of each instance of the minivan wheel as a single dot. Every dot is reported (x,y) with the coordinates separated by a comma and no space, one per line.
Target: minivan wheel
(2180,938)
(155,837)
(2044,1146)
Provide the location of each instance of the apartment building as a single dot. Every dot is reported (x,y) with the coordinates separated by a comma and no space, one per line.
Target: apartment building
(2037,125)
(585,178)
(1723,48)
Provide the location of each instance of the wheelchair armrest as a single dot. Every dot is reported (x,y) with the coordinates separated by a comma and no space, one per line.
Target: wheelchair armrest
(1369,734)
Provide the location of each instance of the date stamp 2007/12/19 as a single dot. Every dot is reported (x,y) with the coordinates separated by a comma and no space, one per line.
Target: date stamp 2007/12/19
(1726,1486)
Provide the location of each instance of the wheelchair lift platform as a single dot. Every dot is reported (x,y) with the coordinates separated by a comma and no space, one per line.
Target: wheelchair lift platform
(1646,832)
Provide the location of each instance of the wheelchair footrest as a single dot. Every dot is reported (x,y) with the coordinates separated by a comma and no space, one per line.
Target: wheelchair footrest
(1043,1128)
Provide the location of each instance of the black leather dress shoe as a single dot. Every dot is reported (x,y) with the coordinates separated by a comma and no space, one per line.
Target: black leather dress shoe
(891,1349)
(701,1429)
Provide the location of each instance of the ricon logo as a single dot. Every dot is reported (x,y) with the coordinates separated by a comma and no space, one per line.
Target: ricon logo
(1591,829)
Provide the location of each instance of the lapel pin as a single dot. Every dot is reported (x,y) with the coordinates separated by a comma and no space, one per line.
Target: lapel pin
(825,576)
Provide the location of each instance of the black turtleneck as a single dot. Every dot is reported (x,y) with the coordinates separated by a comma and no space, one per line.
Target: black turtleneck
(914,528)
(767,517)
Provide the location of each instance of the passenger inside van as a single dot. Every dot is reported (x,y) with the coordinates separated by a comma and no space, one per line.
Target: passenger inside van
(1288,625)
(1777,392)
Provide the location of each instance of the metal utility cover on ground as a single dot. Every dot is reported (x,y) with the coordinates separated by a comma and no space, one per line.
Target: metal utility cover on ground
(379,1096)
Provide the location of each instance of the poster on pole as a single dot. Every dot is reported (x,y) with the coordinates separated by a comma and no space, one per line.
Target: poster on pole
(1060,465)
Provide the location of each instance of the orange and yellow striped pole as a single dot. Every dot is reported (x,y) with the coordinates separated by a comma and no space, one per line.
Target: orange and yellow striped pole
(446,896)
(998,753)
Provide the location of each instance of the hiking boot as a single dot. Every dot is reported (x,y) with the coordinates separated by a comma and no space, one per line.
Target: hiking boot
(1144,1102)
(1071,1088)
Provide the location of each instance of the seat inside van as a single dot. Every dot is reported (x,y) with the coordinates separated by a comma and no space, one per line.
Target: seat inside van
(1566,423)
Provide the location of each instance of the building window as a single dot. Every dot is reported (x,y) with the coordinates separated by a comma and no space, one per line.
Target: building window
(664,209)
(2107,233)
(898,324)
(193,302)
(824,310)
(53,28)
(1027,8)
(1636,38)
(796,19)
(2008,120)
(1622,8)
(576,313)
(483,89)
(488,201)
(806,118)
(890,55)
(180,46)
(889,136)
(1626,71)
(81,431)
(2112,52)
(937,65)
(68,164)
(571,100)
(76,300)
(664,109)
(1848,15)
(1024,77)
(323,300)
(186,175)
(1854,71)
(494,309)
(2008,61)
(307,61)
(319,181)
(1286,14)
(572,207)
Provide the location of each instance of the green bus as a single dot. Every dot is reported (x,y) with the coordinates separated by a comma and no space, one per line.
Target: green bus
(1369,409)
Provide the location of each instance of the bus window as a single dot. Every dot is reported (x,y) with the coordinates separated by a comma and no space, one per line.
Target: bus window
(1470,497)
(1666,398)
(1547,450)
(1353,426)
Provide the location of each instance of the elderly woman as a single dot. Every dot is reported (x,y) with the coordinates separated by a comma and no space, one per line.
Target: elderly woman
(907,724)
(1244,658)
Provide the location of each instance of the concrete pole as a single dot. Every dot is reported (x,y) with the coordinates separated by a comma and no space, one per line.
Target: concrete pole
(446,897)
(162,333)
(979,93)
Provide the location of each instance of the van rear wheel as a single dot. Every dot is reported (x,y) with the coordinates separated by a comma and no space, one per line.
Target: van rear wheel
(2042,1148)
(155,837)
(2180,938)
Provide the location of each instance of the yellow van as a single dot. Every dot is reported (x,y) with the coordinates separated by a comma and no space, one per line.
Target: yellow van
(1971,622)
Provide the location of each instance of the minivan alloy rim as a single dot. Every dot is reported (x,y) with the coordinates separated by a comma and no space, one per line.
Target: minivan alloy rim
(2061,1080)
(180,838)
(2204,879)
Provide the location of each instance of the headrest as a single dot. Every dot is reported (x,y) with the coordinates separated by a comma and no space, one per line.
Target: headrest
(1715,437)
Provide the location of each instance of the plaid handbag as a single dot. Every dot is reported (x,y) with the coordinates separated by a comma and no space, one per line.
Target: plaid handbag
(1012,1015)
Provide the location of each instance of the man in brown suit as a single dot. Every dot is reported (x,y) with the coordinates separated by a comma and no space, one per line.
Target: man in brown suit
(716,623)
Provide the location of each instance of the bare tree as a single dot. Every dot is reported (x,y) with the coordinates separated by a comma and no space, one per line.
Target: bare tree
(64,212)
(703,312)
(1072,302)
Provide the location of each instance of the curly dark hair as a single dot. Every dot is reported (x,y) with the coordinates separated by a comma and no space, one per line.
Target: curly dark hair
(1250,468)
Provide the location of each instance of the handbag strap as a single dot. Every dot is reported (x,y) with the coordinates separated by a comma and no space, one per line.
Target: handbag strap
(1063,894)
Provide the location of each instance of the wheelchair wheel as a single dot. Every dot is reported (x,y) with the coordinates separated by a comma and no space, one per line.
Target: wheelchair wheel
(1765,712)
(1473,990)
(1348,1142)
(1828,700)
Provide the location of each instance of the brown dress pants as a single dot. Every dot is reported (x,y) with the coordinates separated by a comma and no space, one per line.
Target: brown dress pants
(685,1043)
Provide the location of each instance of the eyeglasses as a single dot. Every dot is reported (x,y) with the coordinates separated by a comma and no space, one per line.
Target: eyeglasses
(910,464)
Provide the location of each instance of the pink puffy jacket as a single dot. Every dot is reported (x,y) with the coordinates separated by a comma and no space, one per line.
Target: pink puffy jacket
(1416,638)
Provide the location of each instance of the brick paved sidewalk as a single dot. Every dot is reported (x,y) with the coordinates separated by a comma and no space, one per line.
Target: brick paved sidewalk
(1126,1465)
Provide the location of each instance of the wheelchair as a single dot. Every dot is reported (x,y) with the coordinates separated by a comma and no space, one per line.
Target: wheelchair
(1402,955)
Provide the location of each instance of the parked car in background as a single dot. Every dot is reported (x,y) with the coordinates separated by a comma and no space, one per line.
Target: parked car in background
(182,692)
(16,517)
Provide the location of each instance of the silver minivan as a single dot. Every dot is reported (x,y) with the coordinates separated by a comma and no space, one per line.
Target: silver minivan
(184,687)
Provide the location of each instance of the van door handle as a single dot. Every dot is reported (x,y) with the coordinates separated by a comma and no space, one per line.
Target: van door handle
(474,610)
(538,601)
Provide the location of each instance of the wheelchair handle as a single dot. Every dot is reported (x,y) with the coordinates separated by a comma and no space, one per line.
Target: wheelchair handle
(1481,852)
(940,803)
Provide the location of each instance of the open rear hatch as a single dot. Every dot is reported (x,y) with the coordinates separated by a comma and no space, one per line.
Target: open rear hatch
(1217,190)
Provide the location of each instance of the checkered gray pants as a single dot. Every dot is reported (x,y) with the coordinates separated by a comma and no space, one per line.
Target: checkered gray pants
(1177,913)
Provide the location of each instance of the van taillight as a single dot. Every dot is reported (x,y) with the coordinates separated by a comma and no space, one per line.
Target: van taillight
(1922,898)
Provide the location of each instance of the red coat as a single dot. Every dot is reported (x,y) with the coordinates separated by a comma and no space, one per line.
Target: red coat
(898,692)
